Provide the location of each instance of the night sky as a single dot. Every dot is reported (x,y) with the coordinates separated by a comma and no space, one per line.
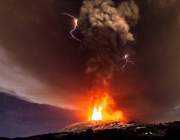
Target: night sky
(43,85)
(20,118)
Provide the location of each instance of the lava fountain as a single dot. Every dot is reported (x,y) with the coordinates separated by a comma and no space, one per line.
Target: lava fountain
(97,114)
(101,108)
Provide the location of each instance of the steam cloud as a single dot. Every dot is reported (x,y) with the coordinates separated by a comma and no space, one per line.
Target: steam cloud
(106,33)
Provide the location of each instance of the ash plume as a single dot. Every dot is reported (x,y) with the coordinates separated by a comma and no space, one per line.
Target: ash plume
(106,33)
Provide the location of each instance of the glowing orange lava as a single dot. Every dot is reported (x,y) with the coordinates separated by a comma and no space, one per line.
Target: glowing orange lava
(97,114)
(101,110)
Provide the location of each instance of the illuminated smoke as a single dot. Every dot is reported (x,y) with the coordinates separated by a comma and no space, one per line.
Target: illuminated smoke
(106,33)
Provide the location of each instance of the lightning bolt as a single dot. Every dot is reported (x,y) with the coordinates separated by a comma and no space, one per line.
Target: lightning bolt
(126,61)
(75,21)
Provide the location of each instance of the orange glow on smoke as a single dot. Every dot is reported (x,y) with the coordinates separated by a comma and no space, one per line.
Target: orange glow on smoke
(101,109)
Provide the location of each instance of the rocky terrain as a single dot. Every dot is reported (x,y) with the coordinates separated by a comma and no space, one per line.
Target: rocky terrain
(98,130)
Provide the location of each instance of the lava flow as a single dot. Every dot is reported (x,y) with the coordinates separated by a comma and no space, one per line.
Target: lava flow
(101,109)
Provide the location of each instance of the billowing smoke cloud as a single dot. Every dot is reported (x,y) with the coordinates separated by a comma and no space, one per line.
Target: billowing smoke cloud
(106,32)
(150,89)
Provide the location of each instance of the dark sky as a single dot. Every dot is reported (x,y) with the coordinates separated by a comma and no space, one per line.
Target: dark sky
(40,64)
(21,119)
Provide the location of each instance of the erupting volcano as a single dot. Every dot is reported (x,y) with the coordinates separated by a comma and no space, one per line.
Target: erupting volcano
(106,35)
(101,109)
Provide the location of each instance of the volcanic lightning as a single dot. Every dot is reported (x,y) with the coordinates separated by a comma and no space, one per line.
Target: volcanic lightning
(126,61)
(75,21)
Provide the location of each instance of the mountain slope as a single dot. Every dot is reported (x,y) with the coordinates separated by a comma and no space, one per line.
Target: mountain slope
(99,130)
(95,125)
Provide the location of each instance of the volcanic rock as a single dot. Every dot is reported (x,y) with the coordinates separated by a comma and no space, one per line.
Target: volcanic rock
(99,130)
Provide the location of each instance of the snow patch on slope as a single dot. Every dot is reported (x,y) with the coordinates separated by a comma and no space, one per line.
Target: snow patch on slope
(95,125)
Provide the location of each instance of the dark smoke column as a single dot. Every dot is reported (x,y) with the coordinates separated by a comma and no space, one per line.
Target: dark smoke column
(106,32)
